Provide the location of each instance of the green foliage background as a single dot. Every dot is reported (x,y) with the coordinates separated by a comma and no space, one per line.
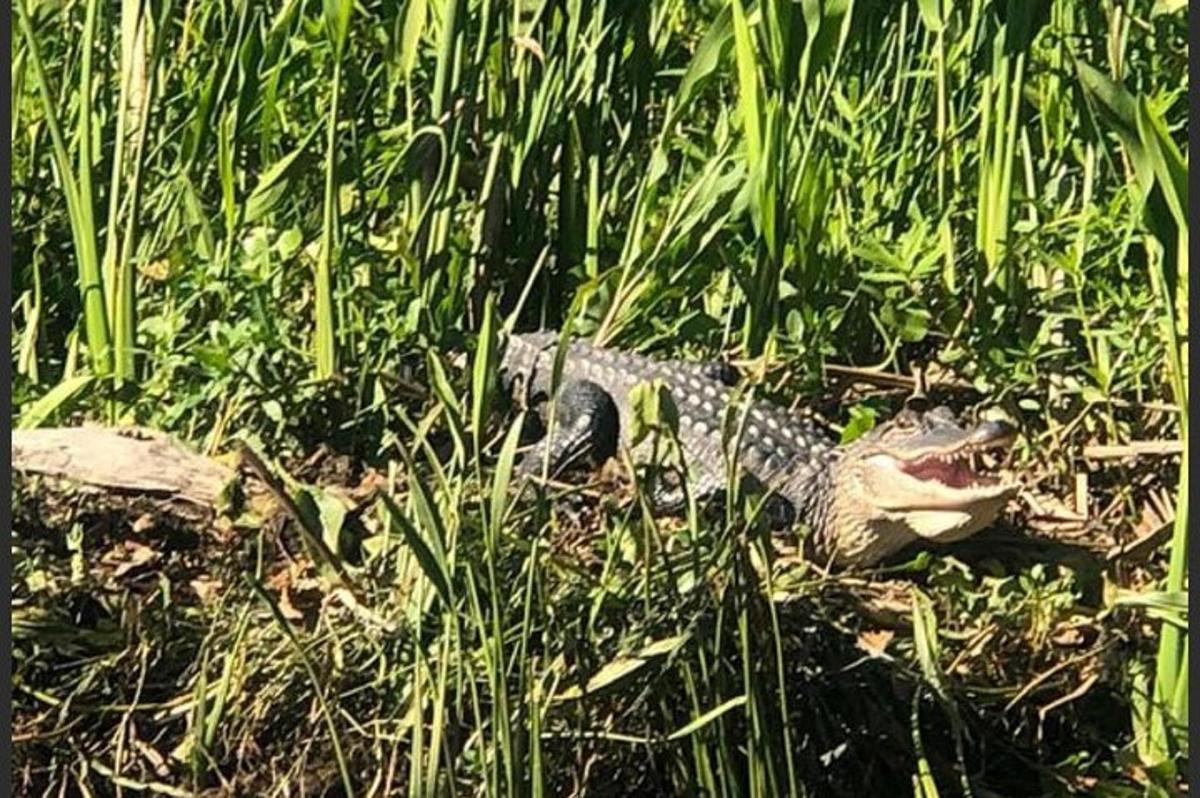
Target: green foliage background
(236,218)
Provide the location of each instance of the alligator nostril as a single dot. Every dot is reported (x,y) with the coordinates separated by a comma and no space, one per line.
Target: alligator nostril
(992,431)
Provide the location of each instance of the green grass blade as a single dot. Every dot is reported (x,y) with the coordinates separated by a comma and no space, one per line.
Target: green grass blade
(83,234)
(426,548)
(57,398)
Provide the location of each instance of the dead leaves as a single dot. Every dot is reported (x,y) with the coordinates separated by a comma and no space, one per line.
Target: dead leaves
(875,641)
(298,591)
(206,588)
(128,557)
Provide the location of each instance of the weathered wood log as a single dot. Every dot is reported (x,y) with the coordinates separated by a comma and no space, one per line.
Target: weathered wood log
(132,459)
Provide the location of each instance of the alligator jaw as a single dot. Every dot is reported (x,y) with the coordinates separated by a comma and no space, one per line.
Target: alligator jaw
(915,478)
(946,475)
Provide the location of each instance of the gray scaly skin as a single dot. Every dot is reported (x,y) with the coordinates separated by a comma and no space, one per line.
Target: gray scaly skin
(913,478)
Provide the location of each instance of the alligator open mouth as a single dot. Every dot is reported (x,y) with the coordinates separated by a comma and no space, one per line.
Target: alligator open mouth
(972,463)
(950,469)
(966,469)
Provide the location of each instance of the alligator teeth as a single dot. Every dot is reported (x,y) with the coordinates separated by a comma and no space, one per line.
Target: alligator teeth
(1008,458)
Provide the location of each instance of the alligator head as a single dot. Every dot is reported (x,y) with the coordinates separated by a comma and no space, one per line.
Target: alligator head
(919,476)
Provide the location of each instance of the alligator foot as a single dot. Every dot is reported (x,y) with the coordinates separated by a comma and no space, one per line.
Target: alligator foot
(668,498)
(585,431)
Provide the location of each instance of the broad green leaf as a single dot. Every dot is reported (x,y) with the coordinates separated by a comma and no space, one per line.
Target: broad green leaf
(1173,601)
(1163,7)
(653,410)
(332,515)
(320,526)
(432,563)
(1022,20)
(705,60)
(862,421)
(703,720)
(502,476)
(931,14)
(1119,110)
(623,667)
(1165,159)
(58,397)
(949,270)
(415,17)
(615,672)
(1167,605)
(661,648)
(826,24)
(273,183)
(337,22)
(748,87)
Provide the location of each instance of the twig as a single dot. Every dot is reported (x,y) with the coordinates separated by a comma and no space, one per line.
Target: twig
(886,379)
(1133,449)
(891,379)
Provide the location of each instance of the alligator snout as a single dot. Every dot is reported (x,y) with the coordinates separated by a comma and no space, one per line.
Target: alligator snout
(992,433)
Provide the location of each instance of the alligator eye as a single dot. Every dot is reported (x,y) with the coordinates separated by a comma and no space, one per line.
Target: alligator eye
(942,413)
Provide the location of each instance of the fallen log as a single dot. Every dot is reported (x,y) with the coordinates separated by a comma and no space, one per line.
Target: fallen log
(132,459)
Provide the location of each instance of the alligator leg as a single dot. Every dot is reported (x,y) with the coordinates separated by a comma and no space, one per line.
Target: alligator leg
(720,371)
(778,513)
(586,429)
(667,496)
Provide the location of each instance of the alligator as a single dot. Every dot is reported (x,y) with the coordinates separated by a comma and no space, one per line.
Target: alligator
(918,477)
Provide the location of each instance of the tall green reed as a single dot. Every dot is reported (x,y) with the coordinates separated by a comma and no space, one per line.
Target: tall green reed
(77,184)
